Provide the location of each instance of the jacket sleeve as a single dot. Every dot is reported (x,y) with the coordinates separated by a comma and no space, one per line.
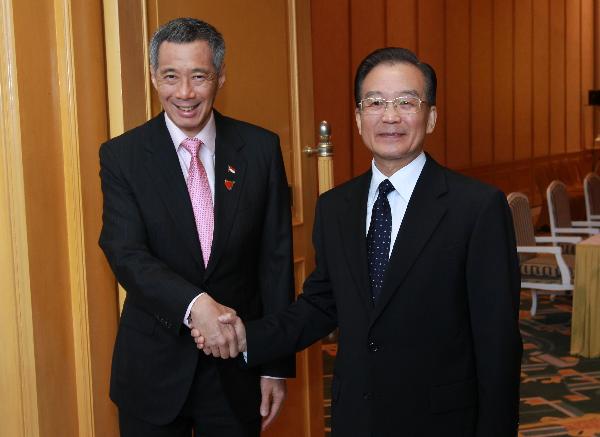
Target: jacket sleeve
(149,282)
(276,268)
(493,284)
(306,321)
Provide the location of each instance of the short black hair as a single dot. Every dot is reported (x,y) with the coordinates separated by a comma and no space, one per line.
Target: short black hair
(186,30)
(391,56)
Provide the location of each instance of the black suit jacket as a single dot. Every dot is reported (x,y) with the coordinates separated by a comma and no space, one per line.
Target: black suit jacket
(439,354)
(150,239)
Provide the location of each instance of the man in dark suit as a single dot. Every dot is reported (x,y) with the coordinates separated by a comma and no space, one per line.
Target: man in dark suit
(196,210)
(417,267)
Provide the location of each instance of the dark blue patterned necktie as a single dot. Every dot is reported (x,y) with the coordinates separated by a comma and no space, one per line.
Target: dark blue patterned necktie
(379,238)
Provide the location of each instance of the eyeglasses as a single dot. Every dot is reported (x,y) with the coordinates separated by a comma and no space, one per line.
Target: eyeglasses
(402,105)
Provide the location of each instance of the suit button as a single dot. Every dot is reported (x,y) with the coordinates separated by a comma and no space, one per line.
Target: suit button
(367,396)
(373,347)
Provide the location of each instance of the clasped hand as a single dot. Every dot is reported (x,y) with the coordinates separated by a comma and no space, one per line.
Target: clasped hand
(218,331)
(216,328)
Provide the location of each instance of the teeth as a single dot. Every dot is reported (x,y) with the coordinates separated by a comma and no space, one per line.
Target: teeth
(186,108)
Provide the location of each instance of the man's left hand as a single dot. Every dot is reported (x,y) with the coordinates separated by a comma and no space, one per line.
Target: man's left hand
(273,394)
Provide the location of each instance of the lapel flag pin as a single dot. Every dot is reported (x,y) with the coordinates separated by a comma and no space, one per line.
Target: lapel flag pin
(230,169)
(229,184)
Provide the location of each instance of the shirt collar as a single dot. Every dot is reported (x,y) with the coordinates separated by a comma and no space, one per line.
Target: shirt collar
(207,135)
(404,180)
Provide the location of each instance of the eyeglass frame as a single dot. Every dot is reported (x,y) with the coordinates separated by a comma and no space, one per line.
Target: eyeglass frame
(393,102)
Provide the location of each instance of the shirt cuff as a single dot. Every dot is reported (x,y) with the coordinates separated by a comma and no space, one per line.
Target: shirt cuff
(187,319)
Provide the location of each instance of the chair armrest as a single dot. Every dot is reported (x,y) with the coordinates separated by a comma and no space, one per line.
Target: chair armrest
(588,231)
(539,249)
(557,239)
(586,224)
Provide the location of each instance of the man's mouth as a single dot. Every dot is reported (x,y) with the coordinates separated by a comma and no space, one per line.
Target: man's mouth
(391,134)
(187,108)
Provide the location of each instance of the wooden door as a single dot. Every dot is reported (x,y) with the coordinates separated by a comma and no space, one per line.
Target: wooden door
(269,83)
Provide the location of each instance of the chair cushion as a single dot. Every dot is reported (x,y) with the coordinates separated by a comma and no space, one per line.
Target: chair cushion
(544,267)
(567,249)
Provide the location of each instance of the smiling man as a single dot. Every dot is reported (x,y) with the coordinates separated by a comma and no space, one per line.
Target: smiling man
(417,266)
(196,212)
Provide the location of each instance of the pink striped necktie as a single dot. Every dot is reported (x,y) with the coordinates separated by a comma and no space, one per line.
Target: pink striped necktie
(201,197)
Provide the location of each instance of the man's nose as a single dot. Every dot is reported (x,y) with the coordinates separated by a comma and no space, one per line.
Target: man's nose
(390,114)
(185,90)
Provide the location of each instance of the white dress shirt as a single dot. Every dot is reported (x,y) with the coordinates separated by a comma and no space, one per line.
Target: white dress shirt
(404,181)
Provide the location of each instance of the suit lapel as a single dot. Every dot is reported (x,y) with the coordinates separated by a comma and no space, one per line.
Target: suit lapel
(423,213)
(165,170)
(352,228)
(230,172)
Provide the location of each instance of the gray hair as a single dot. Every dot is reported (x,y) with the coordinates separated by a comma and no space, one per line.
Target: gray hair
(185,30)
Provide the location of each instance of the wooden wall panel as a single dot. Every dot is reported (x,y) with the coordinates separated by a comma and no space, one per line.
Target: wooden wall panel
(133,46)
(18,388)
(45,207)
(513,75)
(367,32)
(458,90)
(523,73)
(557,77)
(333,96)
(596,143)
(481,82)
(402,23)
(93,130)
(587,71)
(503,106)
(573,76)
(432,49)
(541,77)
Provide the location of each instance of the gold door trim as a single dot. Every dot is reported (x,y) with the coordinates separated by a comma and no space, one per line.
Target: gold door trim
(298,211)
(74,216)
(17,360)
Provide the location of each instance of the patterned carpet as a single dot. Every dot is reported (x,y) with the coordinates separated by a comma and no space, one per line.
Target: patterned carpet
(560,394)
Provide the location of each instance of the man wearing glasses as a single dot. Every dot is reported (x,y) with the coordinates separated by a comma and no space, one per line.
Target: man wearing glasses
(417,267)
(196,211)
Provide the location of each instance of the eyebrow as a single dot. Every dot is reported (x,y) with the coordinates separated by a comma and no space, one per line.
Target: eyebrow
(402,93)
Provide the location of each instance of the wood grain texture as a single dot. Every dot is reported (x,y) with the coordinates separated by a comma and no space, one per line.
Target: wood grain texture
(513,74)
(482,123)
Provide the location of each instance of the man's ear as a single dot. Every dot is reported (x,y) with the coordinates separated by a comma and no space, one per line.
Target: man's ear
(222,77)
(153,78)
(431,119)
(358,120)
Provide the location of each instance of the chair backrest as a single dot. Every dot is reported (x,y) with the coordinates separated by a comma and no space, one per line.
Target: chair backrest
(559,209)
(523,222)
(591,190)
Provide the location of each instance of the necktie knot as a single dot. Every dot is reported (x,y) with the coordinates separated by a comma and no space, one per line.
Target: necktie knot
(385,188)
(191,145)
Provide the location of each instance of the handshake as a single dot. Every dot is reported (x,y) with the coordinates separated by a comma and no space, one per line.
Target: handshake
(216,328)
